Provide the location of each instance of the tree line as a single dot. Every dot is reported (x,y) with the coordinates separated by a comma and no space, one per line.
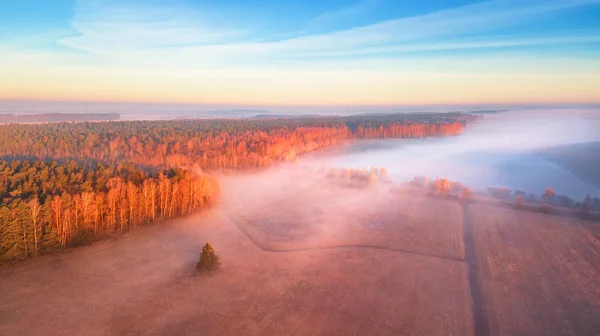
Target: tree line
(212,144)
(50,206)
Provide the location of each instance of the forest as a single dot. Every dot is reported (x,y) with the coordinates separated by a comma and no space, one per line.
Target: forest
(70,184)
(212,144)
(49,206)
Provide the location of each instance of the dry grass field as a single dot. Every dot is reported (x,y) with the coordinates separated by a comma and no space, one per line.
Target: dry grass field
(301,256)
(145,283)
(332,216)
(540,273)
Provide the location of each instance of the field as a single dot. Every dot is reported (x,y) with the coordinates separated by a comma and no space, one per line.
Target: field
(146,284)
(303,256)
(540,273)
(334,216)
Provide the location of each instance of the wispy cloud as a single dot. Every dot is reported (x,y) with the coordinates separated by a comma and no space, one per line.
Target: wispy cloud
(480,17)
(340,18)
(125,32)
(186,41)
(107,26)
(344,14)
(173,50)
(462,44)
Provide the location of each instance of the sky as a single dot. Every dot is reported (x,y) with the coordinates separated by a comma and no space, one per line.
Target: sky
(283,52)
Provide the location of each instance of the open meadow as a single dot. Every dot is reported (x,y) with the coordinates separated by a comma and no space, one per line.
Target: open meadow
(303,254)
(391,283)
(326,215)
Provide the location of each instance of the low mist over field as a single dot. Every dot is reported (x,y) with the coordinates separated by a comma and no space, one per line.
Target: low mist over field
(294,249)
(503,149)
(320,225)
(508,148)
(307,253)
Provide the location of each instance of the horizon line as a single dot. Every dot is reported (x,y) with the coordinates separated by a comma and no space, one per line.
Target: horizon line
(130,102)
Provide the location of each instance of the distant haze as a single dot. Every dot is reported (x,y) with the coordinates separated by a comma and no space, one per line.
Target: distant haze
(502,150)
(148,111)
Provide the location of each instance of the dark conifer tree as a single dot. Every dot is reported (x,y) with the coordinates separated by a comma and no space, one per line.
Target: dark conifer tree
(209,261)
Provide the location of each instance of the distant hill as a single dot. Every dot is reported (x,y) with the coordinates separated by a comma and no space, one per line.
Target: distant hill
(57,117)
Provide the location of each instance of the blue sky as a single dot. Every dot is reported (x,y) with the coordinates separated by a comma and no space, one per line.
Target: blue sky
(246,43)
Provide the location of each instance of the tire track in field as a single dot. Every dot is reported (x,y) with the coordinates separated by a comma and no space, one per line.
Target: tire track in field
(335,247)
(481,324)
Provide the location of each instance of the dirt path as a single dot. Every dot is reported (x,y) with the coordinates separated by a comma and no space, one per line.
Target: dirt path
(481,325)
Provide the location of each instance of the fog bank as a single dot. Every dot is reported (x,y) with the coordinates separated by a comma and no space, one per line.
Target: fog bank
(501,150)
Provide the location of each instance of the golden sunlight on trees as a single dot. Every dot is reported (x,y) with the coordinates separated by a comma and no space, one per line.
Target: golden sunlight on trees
(59,205)
(213,144)
(34,211)
(442,186)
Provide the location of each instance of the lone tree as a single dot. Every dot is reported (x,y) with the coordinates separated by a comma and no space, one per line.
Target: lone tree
(209,261)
